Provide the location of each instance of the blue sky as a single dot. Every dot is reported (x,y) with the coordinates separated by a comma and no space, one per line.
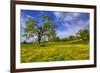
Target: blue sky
(68,23)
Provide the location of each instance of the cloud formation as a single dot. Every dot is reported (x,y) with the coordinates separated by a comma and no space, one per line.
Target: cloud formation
(72,23)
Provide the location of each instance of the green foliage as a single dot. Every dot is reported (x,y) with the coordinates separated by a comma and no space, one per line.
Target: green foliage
(70,38)
(64,39)
(30,27)
(55,39)
(47,28)
(83,34)
(54,51)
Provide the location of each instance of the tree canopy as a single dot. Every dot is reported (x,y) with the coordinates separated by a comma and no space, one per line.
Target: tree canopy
(46,28)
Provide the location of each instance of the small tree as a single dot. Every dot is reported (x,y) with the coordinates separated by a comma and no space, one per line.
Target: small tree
(71,37)
(83,34)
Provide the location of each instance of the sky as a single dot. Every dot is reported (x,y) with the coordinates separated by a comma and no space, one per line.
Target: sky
(67,23)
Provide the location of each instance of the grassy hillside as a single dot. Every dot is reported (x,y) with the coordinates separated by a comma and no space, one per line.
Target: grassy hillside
(54,51)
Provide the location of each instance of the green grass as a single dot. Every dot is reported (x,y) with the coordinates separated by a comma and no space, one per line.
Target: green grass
(54,51)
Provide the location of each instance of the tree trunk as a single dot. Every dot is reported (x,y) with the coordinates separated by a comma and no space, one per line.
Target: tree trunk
(39,38)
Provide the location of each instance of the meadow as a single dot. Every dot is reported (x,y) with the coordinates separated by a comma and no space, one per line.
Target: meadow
(54,51)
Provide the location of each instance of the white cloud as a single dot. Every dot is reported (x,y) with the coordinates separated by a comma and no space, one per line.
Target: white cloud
(62,34)
(83,24)
(58,14)
(69,16)
(32,39)
(72,30)
(28,16)
(66,33)
(76,14)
